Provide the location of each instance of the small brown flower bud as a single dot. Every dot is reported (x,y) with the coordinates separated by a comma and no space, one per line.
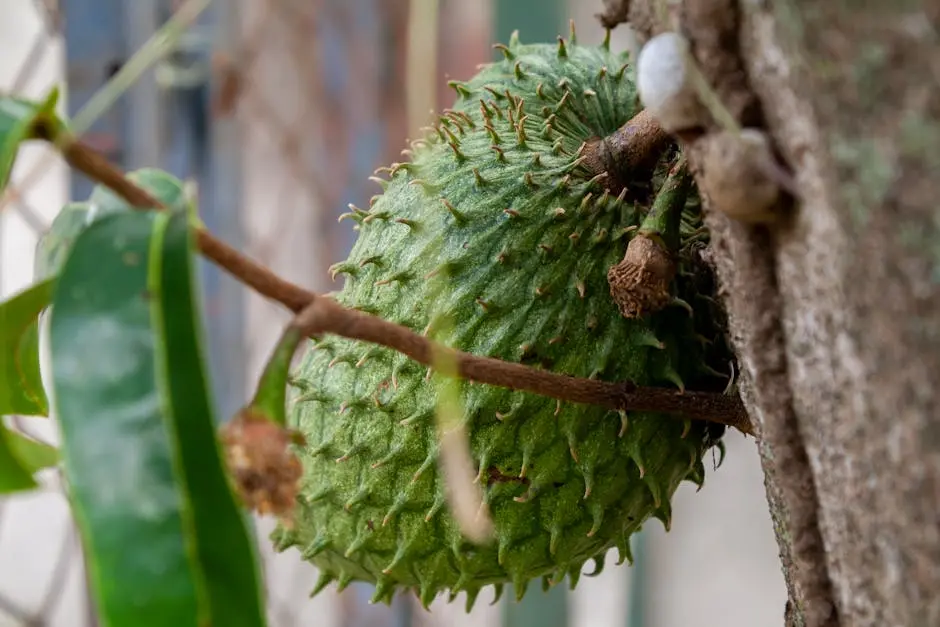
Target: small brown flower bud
(265,471)
(640,283)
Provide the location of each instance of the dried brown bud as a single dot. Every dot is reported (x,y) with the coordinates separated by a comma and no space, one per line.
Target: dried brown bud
(615,12)
(265,471)
(640,283)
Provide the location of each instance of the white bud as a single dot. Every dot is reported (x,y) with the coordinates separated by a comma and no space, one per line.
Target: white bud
(665,85)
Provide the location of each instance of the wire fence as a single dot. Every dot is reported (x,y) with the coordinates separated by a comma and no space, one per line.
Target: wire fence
(280,110)
(42,578)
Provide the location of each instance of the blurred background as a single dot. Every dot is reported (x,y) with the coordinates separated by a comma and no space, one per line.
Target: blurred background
(280,110)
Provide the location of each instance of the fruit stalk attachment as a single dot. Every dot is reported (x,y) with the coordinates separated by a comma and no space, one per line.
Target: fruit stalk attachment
(627,152)
(257,442)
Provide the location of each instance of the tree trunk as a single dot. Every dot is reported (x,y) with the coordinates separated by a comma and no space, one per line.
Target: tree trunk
(836,310)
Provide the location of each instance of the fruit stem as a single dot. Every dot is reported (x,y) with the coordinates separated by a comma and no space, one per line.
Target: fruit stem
(257,442)
(627,151)
(665,216)
(270,399)
(615,12)
(327,316)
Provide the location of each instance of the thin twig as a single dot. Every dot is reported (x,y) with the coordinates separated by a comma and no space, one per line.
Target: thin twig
(330,317)
(94,165)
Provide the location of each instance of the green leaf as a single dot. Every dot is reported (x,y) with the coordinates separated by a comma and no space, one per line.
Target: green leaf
(14,477)
(53,247)
(270,399)
(166,541)
(32,454)
(18,120)
(161,185)
(21,389)
(20,458)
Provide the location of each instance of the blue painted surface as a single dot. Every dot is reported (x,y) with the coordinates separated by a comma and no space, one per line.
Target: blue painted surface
(639,592)
(96,42)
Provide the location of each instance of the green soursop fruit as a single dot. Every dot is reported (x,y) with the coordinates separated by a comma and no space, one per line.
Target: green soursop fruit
(496,228)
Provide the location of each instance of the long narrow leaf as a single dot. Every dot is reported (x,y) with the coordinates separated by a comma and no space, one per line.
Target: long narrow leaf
(21,389)
(20,458)
(226,552)
(165,540)
(53,246)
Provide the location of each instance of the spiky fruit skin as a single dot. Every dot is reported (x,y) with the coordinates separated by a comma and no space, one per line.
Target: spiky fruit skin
(495,227)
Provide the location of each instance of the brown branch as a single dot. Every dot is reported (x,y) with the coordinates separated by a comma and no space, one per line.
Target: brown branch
(96,167)
(325,315)
(329,317)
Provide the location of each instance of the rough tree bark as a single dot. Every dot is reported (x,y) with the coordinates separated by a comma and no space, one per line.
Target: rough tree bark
(836,310)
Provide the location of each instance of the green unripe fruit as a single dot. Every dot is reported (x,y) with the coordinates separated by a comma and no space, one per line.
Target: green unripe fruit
(496,240)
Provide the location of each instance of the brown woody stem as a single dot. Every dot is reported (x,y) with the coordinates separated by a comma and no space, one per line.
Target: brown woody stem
(627,151)
(96,167)
(328,316)
(324,315)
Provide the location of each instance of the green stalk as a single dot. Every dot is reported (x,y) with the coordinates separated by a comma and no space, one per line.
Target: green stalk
(640,283)
(264,470)
(664,219)
(270,399)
